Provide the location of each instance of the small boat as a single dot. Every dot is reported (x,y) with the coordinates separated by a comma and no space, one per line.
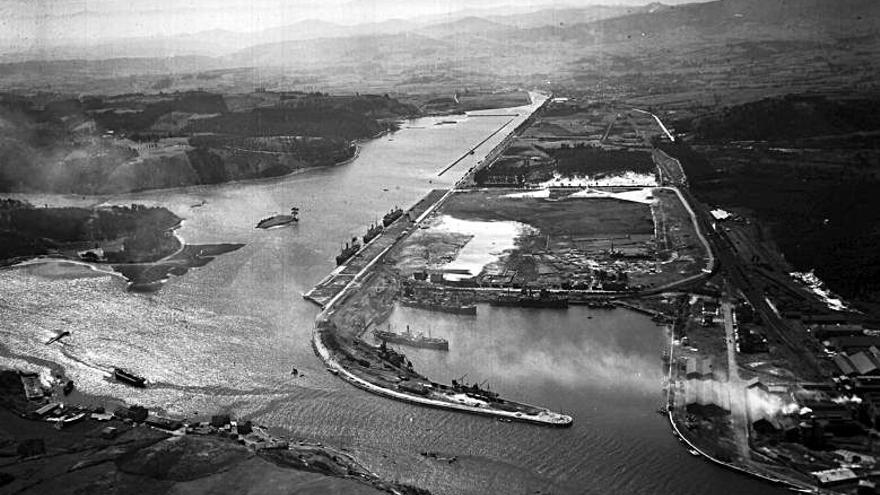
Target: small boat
(58,337)
(76,418)
(333,371)
(693,453)
(438,456)
(129,378)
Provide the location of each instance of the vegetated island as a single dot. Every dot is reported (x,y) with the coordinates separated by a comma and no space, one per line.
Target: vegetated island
(51,445)
(133,142)
(136,241)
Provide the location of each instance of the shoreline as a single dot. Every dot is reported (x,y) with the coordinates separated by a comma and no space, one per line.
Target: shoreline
(543,416)
(123,431)
(745,470)
(110,196)
(98,267)
(546,418)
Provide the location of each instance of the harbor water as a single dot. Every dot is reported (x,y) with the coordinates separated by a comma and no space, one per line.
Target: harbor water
(225,337)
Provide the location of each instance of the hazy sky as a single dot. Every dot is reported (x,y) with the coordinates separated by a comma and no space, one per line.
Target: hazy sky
(26,21)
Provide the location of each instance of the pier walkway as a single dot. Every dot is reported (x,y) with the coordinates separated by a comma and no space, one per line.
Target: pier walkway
(344,274)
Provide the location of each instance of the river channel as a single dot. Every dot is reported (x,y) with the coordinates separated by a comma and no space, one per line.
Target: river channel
(226,337)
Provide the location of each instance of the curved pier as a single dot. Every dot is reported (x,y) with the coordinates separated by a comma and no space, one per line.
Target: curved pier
(543,417)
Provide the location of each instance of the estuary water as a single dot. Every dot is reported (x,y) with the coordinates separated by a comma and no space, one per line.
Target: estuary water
(225,337)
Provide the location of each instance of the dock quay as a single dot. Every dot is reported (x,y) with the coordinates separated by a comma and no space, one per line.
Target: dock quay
(344,274)
(357,292)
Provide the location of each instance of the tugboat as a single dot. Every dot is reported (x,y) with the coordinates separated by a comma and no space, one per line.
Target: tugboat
(348,251)
(391,216)
(372,232)
(279,220)
(129,378)
(527,299)
(411,340)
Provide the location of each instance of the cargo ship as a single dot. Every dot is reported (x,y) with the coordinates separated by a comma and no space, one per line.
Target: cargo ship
(440,304)
(528,299)
(348,251)
(391,216)
(372,232)
(279,220)
(411,340)
(129,378)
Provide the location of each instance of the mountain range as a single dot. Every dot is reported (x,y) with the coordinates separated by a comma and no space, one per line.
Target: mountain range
(491,45)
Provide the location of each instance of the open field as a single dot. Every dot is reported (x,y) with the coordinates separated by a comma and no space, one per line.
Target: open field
(585,142)
(598,241)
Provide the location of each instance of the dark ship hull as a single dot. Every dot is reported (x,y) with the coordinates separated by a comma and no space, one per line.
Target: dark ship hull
(348,251)
(391,216)
(129,378)
(443,307)
(412,340)
(344,256)
(530,302)
(372,233)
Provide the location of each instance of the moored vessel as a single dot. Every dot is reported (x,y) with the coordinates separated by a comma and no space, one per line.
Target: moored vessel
(528,299)
(412,340)
(372,232)
(391,216)
(348,251)
(440,305)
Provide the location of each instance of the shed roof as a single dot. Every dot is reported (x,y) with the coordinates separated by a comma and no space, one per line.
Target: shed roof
(843,364)
(863,364)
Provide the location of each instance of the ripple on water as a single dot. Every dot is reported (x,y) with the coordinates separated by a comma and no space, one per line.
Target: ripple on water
(227,335)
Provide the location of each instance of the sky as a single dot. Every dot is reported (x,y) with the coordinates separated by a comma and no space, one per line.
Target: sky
(29,21)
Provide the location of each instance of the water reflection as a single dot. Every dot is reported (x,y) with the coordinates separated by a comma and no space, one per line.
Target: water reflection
(532,348)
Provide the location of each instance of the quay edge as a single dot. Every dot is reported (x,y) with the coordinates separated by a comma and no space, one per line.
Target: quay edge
(545,418)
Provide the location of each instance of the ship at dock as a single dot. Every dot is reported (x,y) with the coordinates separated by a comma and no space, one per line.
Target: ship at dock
(372,232)
(439,301)
(391,216)
(531,299)
(348,251)
(412,340)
